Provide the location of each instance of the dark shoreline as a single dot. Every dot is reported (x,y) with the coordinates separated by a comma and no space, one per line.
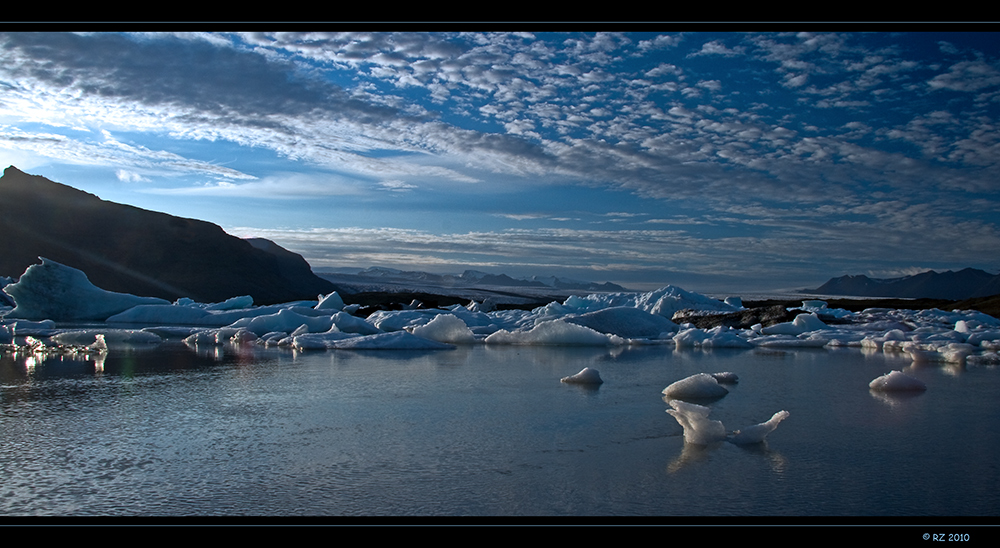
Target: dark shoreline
(373,300)
(987,305)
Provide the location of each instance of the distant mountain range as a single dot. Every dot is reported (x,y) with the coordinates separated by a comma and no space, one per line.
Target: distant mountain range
(968,283)
(131,250)
(474,278)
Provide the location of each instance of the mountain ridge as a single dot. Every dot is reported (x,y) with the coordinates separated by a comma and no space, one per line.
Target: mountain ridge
(967,283)
(473,278)
(127,249)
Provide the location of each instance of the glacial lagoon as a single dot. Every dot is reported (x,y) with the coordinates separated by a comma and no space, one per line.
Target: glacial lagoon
(487,430)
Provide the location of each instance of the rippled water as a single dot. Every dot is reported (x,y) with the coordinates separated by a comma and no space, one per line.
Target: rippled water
(486,431)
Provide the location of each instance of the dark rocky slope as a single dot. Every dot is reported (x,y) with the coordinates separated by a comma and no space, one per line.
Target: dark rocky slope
(131,250)
(968,283)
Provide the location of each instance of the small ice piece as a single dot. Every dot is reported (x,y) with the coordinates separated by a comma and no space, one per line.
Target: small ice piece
(99,344)
(585,376)
(701,386)
(726,377)
(698,428)
(896,381)
(446,328)
(233,303)
(757,432)
(330,302)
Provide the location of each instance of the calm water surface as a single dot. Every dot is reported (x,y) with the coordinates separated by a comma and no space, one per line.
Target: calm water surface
(486,431)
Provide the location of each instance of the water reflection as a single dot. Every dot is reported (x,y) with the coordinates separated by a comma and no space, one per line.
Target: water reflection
(247,430)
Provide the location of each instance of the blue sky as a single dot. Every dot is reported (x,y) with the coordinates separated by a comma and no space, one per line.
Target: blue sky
(717,161)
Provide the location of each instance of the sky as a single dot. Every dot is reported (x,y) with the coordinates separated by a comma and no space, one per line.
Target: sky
(711,159)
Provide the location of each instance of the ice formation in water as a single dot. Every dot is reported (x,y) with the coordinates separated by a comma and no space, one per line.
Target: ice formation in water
(585,376)
(698,428)
(757,432)
(52,291)
(700,386)
(897,381)
(555,332)
(726,377)
(446,328)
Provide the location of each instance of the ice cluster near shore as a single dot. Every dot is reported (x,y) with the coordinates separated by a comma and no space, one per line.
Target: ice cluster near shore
(50,295)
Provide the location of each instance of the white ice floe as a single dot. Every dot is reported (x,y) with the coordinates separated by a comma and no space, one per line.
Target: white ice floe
(555,332)
(802,323)
(330,302)
(446,328)
(625,322)
(108,336)
(726,377)
(757,432)
(283,320)
(585,376)
(397,340)
(700,386)
(53,291)
(700,430)
(897,381)
(716,337)
(57,293)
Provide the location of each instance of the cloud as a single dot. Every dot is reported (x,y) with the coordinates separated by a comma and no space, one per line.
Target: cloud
(281,186)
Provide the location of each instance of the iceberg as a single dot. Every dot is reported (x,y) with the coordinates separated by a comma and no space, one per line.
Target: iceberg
(897,381)
(625,322)
(555,332)
(757,432)
(585,376)
(701,386)
(397,340)
(61,293)
(698,428)
(446,328)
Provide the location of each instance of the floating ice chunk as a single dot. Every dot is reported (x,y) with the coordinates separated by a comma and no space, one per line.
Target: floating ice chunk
(100,345)
(555,332)
(283,320)
(446,328)
(757,432)
(352,324)
(108,336)
(243,336)
(318,341)
(585,376)
(701,386)
(691,337)
(802,323)
(234,303)
(397,340)
(698,428)
(330,302)
(626,322)
(398,320)
(726,377)
(896,381)
(725,337)
(165,314)
(61,293)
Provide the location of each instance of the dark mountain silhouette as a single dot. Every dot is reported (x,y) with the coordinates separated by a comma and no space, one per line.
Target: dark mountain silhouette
(131,250)
(967,283)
